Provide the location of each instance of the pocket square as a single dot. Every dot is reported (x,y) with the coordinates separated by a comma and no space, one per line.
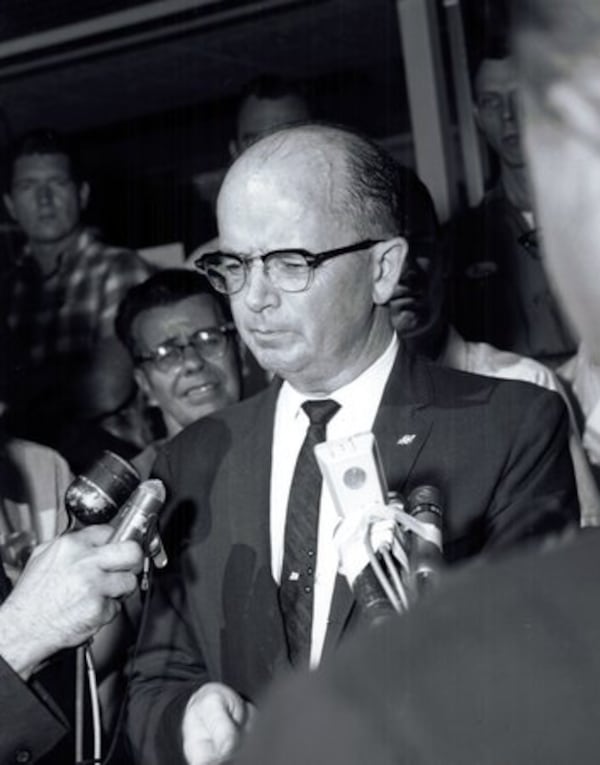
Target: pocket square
(406,439)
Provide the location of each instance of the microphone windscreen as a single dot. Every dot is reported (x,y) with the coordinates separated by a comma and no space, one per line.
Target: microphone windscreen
(96,495)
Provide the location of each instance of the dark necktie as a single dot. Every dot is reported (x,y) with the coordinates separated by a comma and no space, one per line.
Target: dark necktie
(300,545)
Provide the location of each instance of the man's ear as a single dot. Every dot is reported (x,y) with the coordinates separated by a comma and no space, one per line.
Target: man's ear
(84,195)
(142,382)
(388,261)
(10,207)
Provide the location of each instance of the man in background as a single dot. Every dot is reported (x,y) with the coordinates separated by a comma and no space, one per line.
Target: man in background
(60,297)
(266,103)
(420,315)
(502,665)
(184,349)
(500,289)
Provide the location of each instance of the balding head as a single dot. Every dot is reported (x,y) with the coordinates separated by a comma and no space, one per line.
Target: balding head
(355,179)
(314,188)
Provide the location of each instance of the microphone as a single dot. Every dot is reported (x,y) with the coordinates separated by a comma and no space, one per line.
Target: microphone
(426,557)
(138,519)
(353,473)
(96,495)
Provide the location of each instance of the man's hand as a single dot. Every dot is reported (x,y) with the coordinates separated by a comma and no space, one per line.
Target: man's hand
(67,591)
(213,721)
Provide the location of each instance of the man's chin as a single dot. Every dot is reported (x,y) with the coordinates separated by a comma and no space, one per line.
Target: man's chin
(277,362)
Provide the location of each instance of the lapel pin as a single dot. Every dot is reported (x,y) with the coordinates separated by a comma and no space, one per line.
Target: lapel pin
(406,439)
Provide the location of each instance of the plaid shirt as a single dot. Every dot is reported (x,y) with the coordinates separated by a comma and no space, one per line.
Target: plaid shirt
(57,318)
(67,312)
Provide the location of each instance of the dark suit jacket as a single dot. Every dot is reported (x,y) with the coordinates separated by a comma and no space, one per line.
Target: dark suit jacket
(500,666)
(497,450)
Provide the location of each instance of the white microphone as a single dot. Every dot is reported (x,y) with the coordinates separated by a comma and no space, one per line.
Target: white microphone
(353,473)
(138,519)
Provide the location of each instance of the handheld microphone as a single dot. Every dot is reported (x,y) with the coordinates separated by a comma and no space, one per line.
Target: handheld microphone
(96,495)
(138,519)
(426,557)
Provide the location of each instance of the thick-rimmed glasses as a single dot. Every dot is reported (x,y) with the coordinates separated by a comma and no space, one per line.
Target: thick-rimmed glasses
(289,270)
(209,344)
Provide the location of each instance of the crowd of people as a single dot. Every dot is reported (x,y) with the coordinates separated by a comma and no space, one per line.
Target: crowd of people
(332,303)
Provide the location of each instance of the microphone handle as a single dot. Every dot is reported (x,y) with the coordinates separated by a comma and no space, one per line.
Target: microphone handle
(371,599)
(138,519)
(425,505)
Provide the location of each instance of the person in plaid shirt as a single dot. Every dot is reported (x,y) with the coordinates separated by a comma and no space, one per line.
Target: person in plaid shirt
(61,296)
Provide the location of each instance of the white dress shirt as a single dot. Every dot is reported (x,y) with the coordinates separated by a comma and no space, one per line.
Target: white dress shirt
(359,401)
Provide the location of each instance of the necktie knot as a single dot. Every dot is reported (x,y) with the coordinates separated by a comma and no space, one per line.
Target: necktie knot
(320,411)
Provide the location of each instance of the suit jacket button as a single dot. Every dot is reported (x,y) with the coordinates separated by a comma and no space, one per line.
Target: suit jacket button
(22,755)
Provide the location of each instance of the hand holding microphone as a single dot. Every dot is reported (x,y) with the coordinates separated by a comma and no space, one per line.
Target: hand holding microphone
(69,589)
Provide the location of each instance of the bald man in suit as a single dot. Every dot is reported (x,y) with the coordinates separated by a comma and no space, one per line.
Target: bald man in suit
(501,665)
(312,224)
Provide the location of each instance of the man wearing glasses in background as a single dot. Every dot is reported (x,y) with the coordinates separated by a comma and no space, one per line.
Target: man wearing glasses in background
(185,352)
(312,225)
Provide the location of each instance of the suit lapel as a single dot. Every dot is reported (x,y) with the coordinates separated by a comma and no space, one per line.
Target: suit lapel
(401,428)
(404,419)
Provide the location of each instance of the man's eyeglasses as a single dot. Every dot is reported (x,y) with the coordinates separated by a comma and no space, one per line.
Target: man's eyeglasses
(289,270)
(209,344)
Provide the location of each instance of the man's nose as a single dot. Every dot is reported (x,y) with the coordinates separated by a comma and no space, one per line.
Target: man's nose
(44,193)
(259,291)
(192,358)
(509,107)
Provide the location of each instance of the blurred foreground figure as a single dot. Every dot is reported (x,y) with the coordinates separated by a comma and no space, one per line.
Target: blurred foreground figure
(501,666)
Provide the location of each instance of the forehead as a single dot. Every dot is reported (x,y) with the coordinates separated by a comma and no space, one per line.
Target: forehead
(33,165)
(286,198)
(496,75)
(161,323)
